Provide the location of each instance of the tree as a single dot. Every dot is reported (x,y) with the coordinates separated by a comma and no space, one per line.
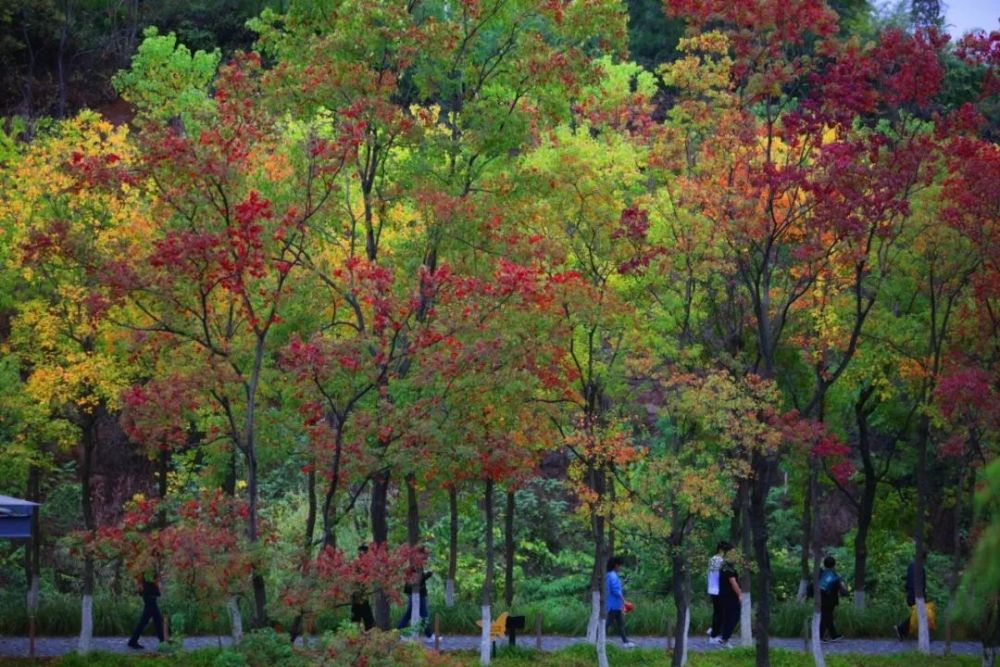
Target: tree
(235,194)
(65,232)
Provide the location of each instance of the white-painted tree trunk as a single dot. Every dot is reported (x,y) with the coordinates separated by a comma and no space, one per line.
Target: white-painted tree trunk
(989,656)
(415,611)
(485,642)
(683,648)
(816,643)
(859,599)
(923,633)
(86,623)
(746,620)
(449,593)
(602,644)
(803,589)
(595,617)
(33,596)
(235,618)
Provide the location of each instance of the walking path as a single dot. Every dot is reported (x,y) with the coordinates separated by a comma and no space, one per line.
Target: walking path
(54,646)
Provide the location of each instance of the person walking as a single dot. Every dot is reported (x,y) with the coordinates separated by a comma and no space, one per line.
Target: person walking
(714,569)
(903,628)
(730,599)
(149,588)
(615,597)
(831,587)
(361,608)
(420,576)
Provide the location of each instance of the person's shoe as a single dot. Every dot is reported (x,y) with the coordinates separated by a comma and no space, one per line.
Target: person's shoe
(716,640)
(709,633)
(629,644)
(727,644)
(137,645)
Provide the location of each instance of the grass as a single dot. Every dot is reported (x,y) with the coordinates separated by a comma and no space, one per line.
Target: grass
(575,656)
(585,656)
(59,615)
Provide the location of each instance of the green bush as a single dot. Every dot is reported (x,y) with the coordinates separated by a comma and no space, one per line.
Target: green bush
(266,648)
(351,647)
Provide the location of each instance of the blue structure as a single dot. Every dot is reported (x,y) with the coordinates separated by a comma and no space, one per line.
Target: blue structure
(15,518)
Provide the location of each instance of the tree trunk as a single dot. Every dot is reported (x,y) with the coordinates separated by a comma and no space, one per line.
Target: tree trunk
(257,580)
(89,442)
(679,581)
(602,595)
(508,589)
(816,644)
(162,473)
(746,606)
(923,636)
(32,549)
(486,600)
(380,535)
(307,546)
(763,470)
(804,569)
(253,492)
(597,577)
(329,507)
(236,618)
(866,506)
(412,511)
(449,587)
(956,557)
(61,61)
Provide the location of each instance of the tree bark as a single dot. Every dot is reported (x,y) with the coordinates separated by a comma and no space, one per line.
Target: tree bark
(597,611)
(486,599)
(89,442)
(805,570)
(508,591)
(956,556)
(380,535)
(679,581)
(412,511)
(763,470)
(32,555)
(816,644)
(919,585)
(746,607)
(602,556)
(866,506)
(449,588)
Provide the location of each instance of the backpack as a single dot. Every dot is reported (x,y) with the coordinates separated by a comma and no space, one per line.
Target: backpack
(828,581)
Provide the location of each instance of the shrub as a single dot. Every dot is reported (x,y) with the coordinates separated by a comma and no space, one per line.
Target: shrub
(266,648)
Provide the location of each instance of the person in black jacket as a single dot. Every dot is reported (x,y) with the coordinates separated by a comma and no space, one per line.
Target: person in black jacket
(831,587)
(150,591)
(903,628)
(361,608)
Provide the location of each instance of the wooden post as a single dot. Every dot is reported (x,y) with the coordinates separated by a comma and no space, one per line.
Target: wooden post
(806,627)
(31,636)
(538,631)
(670,638)
(166,628)
(437,632)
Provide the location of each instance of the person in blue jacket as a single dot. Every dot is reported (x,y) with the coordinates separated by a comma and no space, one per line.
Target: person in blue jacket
(616,599)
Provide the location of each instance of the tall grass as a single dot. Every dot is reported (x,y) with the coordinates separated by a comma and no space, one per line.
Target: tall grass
(59,615)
